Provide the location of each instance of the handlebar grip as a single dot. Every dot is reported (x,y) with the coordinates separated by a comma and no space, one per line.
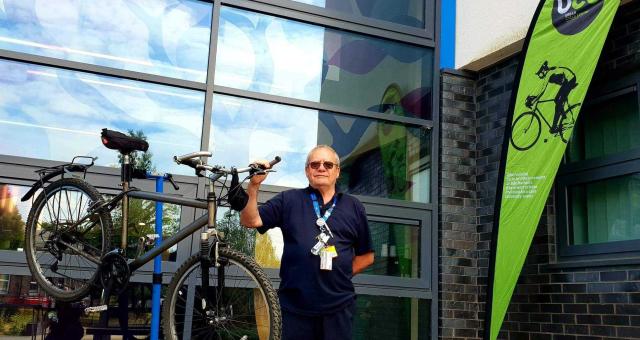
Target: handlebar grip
(275,161)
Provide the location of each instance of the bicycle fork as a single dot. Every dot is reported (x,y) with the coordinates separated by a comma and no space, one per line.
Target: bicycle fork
(209,254)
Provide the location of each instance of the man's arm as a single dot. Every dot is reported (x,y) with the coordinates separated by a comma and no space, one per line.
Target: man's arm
(249,216)
(361,262)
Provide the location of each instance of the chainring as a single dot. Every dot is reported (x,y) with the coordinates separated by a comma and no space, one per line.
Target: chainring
(114,273)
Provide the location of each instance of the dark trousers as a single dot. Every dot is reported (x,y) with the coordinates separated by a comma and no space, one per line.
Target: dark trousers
(336,326)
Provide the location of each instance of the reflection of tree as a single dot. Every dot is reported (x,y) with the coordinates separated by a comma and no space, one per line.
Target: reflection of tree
(238,237)
(140,160)
(265,254)
(11,224)
(11,229)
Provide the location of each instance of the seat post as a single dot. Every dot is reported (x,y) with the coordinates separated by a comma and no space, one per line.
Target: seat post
(125,176)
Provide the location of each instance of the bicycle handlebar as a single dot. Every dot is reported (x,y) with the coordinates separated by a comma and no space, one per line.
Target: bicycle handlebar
(184,158)
(251,169)
(193,160)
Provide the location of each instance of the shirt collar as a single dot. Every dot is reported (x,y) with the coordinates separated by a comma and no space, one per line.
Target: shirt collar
(309,189)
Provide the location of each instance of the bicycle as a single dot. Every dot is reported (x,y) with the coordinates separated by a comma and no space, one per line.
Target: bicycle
(67,243)
(527,127)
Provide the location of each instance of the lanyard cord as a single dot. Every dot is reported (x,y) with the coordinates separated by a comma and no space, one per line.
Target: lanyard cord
(324,228)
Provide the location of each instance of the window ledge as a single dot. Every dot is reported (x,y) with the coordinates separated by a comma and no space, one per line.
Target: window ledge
(594,263)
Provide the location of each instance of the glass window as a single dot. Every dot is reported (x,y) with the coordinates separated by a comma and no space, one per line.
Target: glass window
(167,38)
(4,283)
(397,248)
(13,216)
(240,238)
(378,158)
(56,114)
(388,317)
(403,12)
(15,321)
(267,54)
(605,211)
(607,128)
(142,222)
(132,306)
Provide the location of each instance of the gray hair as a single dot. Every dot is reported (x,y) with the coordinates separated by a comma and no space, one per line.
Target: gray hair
(323,146)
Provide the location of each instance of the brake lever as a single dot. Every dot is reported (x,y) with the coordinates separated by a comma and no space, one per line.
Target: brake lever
(170,179)
(262,172)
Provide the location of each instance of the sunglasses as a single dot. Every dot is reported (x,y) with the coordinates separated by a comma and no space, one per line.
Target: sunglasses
(316,165)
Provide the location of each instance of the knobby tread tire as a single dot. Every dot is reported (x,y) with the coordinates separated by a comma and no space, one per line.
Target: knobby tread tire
(249,263)
(34,213)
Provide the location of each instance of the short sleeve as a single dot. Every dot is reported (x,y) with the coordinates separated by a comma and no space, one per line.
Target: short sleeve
(271,213)
(363,243)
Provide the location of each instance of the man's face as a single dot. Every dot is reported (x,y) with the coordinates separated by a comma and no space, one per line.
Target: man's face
(322,177)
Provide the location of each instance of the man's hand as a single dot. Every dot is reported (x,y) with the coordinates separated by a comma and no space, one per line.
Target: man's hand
(256,180)
(249,216)
(361,262)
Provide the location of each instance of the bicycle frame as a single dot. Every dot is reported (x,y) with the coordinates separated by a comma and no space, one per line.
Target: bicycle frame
(207,220)
(539,112)
(180,235)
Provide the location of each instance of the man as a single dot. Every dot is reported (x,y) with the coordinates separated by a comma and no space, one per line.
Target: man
(326,242)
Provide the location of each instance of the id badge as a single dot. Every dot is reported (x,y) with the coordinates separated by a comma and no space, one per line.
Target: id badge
(326,257)
(326,261)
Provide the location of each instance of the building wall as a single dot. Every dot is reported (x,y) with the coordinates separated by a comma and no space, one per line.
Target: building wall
(477,37)
(554,299)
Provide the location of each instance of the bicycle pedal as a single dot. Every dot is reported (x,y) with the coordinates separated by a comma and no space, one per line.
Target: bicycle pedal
(95,309)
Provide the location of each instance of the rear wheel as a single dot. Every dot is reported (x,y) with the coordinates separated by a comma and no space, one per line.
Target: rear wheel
(564,127)
(240,302)
(63,242)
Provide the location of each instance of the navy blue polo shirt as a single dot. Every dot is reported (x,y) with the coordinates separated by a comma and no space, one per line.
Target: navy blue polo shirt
(305,289)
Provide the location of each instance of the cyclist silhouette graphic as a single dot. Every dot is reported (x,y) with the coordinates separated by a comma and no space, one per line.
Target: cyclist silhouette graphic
(527,126)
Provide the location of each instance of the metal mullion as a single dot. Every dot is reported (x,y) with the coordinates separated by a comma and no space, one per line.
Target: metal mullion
(435,18)
(320,106)
(378,205)
(425,32)
(100,70)
(383,219)
(433,239)
(328,22)
(394,292)
(211,70)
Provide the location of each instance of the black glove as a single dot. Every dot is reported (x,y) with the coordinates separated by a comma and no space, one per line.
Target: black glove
(238,198)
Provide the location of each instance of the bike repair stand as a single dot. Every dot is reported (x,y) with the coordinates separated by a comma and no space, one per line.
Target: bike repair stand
(157,261)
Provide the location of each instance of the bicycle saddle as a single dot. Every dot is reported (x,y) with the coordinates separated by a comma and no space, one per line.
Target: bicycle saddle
(124,144)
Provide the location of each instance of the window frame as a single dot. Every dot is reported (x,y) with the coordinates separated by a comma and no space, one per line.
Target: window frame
(596,169)
(5,278)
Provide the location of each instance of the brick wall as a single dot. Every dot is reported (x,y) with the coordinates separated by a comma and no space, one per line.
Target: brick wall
(458,265)
(551,301)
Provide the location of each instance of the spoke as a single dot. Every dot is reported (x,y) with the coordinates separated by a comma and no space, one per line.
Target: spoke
(80,207)
(70,216)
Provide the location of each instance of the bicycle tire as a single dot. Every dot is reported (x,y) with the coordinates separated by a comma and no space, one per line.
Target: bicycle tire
(525,138)
(47,257)
(249,287)
(563,127)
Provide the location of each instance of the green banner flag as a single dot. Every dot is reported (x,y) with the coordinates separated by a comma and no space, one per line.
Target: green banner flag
(559,57)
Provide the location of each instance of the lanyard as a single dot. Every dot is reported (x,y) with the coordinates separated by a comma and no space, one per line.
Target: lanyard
(321,222)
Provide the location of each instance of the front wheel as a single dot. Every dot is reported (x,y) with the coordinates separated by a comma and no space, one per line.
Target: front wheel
(525,131)
(240,302)
(63,242)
